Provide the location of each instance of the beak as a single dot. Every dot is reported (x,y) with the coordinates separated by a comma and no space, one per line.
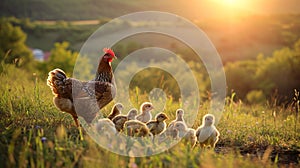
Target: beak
(115,57)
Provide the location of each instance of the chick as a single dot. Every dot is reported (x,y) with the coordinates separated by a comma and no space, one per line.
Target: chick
(188,134)
(105,127)
(116,110)
(145,115)
(136,128)
(158,125)
(179,117)
(119,120)
(207,134)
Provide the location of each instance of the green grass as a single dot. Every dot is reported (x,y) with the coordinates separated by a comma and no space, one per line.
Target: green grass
(251,136)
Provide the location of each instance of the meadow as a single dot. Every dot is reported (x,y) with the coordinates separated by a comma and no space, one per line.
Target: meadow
(259,127)
(36,134)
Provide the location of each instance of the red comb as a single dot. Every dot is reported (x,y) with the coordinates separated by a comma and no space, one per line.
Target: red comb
(109,51)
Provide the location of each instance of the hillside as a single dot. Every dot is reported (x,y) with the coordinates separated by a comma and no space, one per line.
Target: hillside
(240,39)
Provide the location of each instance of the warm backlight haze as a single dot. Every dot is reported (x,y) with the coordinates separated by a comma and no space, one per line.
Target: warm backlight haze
(223,8)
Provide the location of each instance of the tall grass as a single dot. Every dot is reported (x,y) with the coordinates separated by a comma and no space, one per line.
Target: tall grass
(35,134)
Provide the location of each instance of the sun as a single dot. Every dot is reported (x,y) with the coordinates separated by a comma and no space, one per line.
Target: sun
(234,8)
(231,2)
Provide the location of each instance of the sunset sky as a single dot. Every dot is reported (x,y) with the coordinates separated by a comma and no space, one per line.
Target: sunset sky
(257,6)
(212,8)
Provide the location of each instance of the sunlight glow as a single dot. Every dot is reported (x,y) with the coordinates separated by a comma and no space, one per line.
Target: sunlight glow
(233,3)
(230,2)
(234,7)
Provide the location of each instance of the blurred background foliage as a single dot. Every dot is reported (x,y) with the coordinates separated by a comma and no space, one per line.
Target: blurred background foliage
(12,44)
(263,79)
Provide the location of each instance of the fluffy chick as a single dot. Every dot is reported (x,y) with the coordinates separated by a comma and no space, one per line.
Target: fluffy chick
(116,110)
(188,134)
(119,120)
(105,127)
(207,134)
(158,125)
(136,128)
(145,114)
(179,117)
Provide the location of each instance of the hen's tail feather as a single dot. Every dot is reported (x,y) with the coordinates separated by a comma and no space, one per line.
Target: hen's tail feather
(56,79)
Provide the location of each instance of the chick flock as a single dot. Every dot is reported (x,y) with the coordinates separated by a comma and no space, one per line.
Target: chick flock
(141,125)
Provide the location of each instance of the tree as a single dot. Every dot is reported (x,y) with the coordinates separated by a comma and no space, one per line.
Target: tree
(256,97)
(241,77)
(84,69)
(12,44)
(63,58)
(281,72)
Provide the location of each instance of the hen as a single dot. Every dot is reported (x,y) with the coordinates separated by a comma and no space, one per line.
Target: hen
(80,98)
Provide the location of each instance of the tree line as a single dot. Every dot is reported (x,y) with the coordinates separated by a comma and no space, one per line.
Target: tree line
(273,77)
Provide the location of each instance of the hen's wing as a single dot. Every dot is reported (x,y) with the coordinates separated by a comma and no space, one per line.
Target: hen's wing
(93,96)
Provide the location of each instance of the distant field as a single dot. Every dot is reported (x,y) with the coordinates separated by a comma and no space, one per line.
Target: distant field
(80,22)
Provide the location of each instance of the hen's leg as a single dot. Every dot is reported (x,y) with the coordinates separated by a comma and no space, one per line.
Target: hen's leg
(76,120)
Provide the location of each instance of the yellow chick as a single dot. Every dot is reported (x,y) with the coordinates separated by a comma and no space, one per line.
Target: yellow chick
(179,117)
(158,125)
(207,134)
(105,127)
(116,110)
(145,114)
(119,120)
(188,134)
(136,128)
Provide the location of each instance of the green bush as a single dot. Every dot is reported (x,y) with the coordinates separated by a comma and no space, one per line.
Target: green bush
(13,49)
(256,97)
